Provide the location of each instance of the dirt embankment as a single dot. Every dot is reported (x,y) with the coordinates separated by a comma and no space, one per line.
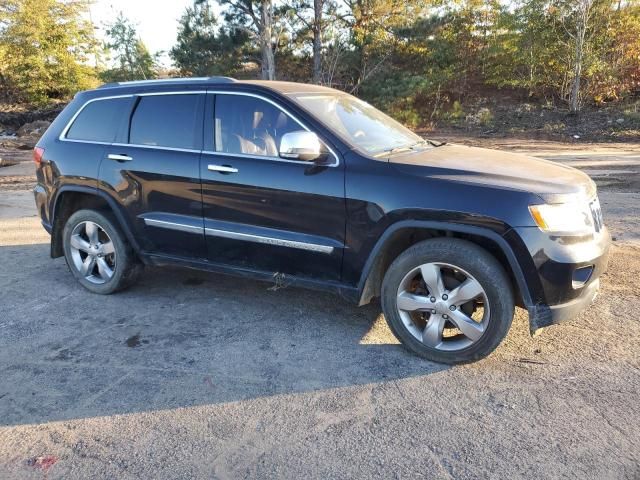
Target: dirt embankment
(12,117)
(503,113)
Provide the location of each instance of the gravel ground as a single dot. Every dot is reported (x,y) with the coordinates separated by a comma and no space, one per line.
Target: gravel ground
(194,375)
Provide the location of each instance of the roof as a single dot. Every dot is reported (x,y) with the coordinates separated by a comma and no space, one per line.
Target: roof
(287,88)
(170,81)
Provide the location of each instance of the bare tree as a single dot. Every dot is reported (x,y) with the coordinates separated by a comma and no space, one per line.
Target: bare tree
(265,29)
(317,40)
(311,23)
(256,17)
(582,14)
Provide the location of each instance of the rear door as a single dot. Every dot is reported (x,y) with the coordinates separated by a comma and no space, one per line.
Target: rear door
(153,172)
(83,141)
(261,211)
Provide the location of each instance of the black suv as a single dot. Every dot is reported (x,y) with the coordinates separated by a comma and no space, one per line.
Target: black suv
(308,185)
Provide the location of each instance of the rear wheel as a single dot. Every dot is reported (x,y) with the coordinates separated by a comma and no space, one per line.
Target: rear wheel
(97,253)
(448,300)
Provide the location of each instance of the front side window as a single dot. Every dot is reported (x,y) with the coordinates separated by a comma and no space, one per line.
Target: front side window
(166,121)
(358,123)
(250,126)
(99,120)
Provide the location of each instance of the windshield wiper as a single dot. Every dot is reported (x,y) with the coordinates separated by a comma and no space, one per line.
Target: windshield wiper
(433,143)
(400,149)
(406,147)
(412,146)
(391,151)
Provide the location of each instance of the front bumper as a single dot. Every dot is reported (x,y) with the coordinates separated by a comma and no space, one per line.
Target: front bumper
(568,272)
(542,315)
(567,311)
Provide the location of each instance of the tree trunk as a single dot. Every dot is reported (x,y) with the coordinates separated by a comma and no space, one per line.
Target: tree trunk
(317,40)
(268,66)
(582,23)
(574,99)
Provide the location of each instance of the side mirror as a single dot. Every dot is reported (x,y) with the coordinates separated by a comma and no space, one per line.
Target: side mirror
(301,145)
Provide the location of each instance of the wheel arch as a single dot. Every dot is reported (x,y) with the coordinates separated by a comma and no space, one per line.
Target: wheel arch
(70,199)
(401,235)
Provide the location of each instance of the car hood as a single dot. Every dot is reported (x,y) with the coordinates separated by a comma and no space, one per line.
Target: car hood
(553,182)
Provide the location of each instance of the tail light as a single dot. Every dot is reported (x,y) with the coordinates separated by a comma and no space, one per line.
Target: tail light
(38,152)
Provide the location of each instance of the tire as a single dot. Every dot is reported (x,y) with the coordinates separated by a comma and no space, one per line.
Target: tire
(418,323)
(108,252)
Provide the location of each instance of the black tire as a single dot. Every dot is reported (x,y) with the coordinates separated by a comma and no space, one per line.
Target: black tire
(472,259)
(127,267)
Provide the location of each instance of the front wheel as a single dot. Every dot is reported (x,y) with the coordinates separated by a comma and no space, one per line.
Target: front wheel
(97,253)
(448,300)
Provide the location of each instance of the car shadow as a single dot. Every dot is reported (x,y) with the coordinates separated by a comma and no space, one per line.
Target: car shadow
(178,338)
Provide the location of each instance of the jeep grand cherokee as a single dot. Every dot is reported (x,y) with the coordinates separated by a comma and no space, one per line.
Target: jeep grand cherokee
(302,182)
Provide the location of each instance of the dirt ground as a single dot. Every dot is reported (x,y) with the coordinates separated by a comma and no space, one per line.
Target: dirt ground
(195,375)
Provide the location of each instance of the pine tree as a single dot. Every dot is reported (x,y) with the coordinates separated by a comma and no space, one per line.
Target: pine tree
(47,47)
(131,54)
(204,49)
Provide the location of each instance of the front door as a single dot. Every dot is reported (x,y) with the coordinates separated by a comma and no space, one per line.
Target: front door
(154,171)
(261,211)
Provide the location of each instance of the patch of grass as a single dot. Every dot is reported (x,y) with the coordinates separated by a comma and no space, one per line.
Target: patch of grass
(554,127)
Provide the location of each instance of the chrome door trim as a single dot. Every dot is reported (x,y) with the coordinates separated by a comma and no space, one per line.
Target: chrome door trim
(135,145)
(152,222)
(313,247)
(90,142)
(222,169)
(261,157)
(65,130)
(156,147)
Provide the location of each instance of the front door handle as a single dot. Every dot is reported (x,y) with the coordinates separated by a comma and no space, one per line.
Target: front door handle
(119,158)
(222,169)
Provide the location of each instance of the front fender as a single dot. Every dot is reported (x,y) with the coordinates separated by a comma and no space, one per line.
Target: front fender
(509,244)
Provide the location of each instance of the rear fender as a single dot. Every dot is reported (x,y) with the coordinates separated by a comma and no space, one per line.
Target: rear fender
(57,226)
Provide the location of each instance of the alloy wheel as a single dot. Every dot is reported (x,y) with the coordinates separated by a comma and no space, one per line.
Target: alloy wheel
(443,306)
(93,252)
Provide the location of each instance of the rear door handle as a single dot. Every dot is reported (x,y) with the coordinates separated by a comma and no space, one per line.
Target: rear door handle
(119,158)
(222,169)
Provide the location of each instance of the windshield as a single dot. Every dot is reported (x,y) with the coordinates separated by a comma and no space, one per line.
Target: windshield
(358,123)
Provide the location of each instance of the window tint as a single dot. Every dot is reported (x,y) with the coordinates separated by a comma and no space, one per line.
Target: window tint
(166,121)
(99,120)
(250,126)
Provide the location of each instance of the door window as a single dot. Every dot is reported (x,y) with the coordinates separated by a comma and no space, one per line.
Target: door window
(99,120)
(250,126)
(166,121)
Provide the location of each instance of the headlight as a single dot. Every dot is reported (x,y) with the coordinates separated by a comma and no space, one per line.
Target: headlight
(566,218)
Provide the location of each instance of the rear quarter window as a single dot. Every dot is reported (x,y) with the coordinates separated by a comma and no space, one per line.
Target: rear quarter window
(99,120)
(167,121)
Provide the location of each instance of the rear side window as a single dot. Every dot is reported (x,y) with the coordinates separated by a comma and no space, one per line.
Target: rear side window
(166,121)
(99,120)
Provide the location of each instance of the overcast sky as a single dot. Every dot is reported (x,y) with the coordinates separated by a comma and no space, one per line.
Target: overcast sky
(156,20)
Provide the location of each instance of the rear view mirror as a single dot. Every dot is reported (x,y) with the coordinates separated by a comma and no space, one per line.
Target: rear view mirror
(301,145)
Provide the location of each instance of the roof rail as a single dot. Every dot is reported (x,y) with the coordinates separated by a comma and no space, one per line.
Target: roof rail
(160,81)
